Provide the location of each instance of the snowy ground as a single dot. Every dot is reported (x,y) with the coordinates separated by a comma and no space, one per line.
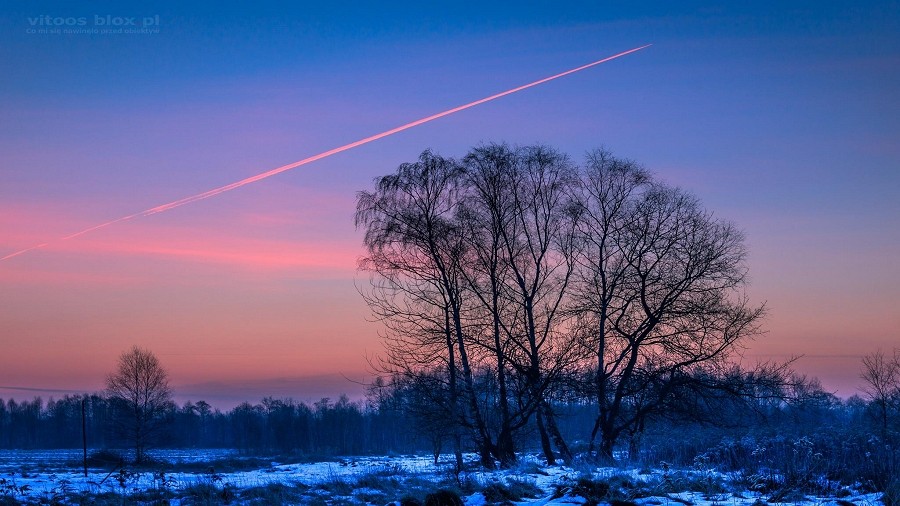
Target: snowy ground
(45,476)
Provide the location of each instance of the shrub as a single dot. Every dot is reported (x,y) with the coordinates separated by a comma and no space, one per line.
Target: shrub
(498,493)
(104,459)
(378,481)
(207,493)
(443,498)
(523,489)
(336,486)
(274,493)
(513,491)
(891,495)
(593,491)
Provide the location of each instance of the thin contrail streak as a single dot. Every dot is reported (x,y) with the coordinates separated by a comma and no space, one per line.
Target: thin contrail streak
(284,168)
(47,390)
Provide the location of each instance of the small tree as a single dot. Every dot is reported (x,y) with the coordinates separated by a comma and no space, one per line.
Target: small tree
(139,391)
(882,385)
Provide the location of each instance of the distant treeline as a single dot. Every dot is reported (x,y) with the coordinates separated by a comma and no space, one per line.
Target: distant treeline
(389,422)
(274,425)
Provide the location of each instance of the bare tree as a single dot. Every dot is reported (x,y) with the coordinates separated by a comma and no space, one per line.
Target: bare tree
(660,284)
(518,230)
(415,254)
(605,199)
(538,244)
(881,375)
(517,271)
(483,215)
(139,390)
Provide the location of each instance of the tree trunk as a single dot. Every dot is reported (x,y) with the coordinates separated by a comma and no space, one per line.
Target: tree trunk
(601,378)
(505,449)
(457,453)
(486,454)
(454,393)
(545,440)
(594,432)
(634,447)
(436,448)
(557,436)
(483,437)
(634,441)
(607,443)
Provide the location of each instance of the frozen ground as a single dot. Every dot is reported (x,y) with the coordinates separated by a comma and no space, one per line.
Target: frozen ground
(56,459)
(43,477)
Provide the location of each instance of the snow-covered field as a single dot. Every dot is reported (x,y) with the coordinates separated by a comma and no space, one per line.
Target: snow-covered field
(183,477)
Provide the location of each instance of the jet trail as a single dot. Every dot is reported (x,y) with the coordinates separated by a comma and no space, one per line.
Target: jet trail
(284,168)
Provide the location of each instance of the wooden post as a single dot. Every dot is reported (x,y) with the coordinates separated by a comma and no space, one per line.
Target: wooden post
(84,434)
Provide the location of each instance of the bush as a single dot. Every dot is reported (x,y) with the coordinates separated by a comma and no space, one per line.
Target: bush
(443,498)
(593,491)
(523,489)
(274,493)
(891,495)
(705,483)
(378,481)
(498,493)
(818,463)
(209,494)
(336,486)
(103,459)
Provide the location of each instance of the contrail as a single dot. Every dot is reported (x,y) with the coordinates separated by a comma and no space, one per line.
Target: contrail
(345,147)
(47,390)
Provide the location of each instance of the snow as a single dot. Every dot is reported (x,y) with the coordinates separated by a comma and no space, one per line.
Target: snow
(476,499)
(35,474)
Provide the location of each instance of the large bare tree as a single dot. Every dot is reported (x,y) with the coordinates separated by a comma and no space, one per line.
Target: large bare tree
(415,253)
(516,270)
(519,226)
(660,292)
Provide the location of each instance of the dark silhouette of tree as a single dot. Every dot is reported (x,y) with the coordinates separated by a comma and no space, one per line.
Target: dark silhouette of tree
(484,213)
(140,393)
(516,263)
(415,253)
(520,226)
(661,292)
(725,416)
(417,406)
(881,375)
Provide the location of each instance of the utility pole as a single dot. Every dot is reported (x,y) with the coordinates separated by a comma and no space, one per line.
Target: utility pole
(84,433)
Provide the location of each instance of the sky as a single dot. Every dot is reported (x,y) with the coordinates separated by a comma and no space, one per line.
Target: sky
(783,117)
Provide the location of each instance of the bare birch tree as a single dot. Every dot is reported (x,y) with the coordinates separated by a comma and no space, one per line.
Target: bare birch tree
(415,253)
(881,375)
(139,391)
(516,271)
(661,283)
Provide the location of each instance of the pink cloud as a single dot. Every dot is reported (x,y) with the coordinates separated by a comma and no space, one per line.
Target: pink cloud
(251,254)
(273,234)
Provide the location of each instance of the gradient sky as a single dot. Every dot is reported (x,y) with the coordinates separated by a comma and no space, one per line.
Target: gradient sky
(784,117)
